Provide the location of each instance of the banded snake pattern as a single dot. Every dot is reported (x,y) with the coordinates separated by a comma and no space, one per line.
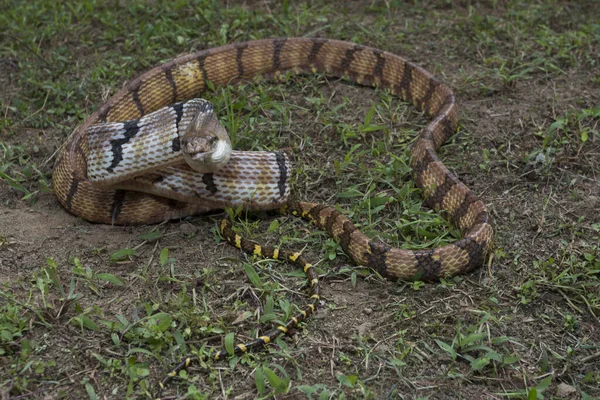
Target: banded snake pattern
(160,193)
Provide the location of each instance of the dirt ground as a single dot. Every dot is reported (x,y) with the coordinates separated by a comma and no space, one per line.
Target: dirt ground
(519,148)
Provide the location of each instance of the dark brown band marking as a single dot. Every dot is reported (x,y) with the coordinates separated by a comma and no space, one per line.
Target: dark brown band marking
(240,47)
(440,192)
(449,100)
(378,68)
(377,257)
(135,95)
(475,251)
(71,194)
(449,127)
(314,50)
(424,103)
(201,59)
(169,76)
(346,236)
(349,57)
(420,166)
(81,154)
(209,182)
(277,46)
(315,214)
(482,218)
(117,204)
(283,173)
(464,205)
(404,85)
(427,134)
(331,219)
(176,205)
(104,113)
(427,265)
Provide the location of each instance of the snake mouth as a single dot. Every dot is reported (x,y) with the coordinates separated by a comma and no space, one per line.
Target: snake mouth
(218,150)
(206,155)
(197,145)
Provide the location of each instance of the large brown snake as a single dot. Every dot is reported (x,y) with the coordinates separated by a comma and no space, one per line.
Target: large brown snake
(186,77)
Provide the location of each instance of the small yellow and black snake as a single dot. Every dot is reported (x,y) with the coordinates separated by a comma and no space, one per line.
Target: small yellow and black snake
(275,253)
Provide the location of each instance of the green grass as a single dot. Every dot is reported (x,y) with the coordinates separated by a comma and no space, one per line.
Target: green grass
(88,311)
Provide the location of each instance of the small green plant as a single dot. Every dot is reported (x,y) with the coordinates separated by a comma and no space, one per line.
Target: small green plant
(19,172)
(93,278)
(279,384)
(13,325)
(475,346)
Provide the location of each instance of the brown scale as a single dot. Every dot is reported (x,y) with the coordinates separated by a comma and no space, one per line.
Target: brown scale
(394,263)
(254,248)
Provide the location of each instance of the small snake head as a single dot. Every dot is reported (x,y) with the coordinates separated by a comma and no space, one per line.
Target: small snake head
(205,145)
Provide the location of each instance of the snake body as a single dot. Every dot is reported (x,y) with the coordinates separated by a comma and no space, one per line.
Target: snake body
(188,76)
(97,176)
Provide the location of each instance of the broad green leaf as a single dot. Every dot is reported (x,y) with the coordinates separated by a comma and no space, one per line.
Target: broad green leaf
(544,383)
(90,391)
(472,338)
(150,236)
(110,278)
(267,318)
(163,321)
(532,394)
(510,360)
(122,255)
(115,339)
(253,276)
(278,384)
(85,322)
(164,256)
(142,351)
(349,194)
(348,381)
(230,343)
(396,362)
(269,305)
(180,341)
(273,226)
(123,320)
(447,348)
(479,363)
(259,379)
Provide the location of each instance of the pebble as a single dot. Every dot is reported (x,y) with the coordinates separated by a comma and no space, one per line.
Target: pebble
(565,390)
(187,229)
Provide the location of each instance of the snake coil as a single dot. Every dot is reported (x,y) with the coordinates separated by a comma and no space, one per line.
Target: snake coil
(260,180)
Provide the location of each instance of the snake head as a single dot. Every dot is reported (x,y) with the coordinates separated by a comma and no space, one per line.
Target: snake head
(205,144)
